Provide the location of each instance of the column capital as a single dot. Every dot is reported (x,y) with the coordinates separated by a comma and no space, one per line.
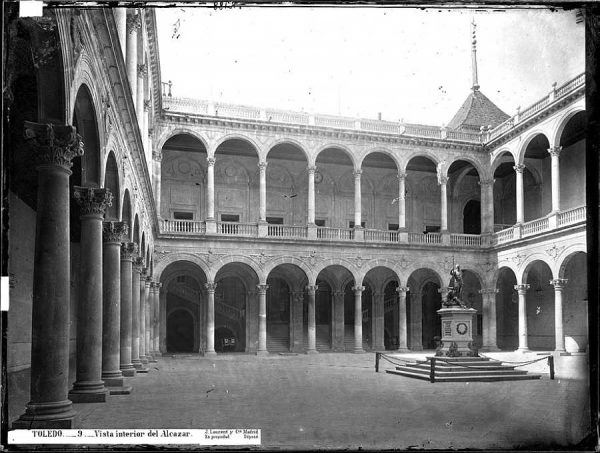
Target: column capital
(358,289)
(401,174)
(92,201)
(402,289)
(485,291)
(442,180)
(210,287)
(297,296)
(142,70)
(210,161)
(522,289)
(559,283)
(128,250)
(312,289)
(138,265)
(554,151)
(485,183)
(134,21)
(262,289)
(147,107)
(156,156)
(357,173)
(114,231)
(148,281)
(262,166)
(519,168)
(311,169)
(55,144)
(338,293)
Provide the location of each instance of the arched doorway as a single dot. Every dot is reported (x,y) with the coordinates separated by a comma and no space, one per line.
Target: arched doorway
(180,331)
(539,306)
(391,316)
(422,302)
(575,301)
(431,302)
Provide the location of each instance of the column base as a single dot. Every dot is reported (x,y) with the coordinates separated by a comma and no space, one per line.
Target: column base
(96,396)
(358,351)
(312,351)
(523,350)
(403,349)
(210,353)
(129,373)
(120,390)
(153,360)
(113,382)
(144,360)
(380,348)
(490,349)
(142,370)
(54,415)
(262,353)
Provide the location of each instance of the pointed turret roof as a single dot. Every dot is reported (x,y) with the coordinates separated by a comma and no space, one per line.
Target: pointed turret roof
(477,110)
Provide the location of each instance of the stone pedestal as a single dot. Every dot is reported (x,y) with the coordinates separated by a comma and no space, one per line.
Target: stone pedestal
(457,332)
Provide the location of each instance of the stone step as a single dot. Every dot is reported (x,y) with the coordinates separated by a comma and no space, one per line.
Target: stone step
(485,378)
(491,367)
(460,372)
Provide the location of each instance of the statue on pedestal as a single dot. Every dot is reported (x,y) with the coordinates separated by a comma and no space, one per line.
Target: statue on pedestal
(454,297)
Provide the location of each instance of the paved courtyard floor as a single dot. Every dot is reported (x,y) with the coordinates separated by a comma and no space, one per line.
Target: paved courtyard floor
(338,401)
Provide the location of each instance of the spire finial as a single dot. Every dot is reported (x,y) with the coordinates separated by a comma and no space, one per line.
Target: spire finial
(474,55)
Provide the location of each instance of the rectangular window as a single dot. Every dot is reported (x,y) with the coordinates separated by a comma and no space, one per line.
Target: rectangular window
(183,215)
(230,218)
(351,224)
(432,229)
(320,222)
(393,227)
(275,220)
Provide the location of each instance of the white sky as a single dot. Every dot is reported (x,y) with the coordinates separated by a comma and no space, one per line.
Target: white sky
(408,64)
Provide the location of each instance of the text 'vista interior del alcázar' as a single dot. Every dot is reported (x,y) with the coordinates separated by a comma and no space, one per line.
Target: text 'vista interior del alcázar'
(146,226)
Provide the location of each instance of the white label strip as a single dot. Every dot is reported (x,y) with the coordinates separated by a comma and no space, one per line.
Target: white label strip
(136,436)
(4,293)
(30,8)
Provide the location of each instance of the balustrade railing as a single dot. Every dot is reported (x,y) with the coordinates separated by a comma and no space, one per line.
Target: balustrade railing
(237,111)
(504,236)
(282,116)
(287,231)
(335,121)
(183,226)
(237,229)
(389,304)
(380,236)
(228,310)
(467,240)
(464,136)
(185,292)
(570,85)
(535,226)
(387,127)
(572,215)
(422,130)
(425,238)
(340,234)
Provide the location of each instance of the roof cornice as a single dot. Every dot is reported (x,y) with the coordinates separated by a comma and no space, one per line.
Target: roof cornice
(154,59)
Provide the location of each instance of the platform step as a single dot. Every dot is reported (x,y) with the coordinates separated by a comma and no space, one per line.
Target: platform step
(463,372)
(450,368)
(504,377)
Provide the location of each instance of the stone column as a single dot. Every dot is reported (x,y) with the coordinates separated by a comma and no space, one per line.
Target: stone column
(163,321)
(114,233)
(358,347)
(312,326)
(311,193)
(402,326)
(522,291)
(136,277)
(519,169)
(559,284)
(262,319)
(210,318)
(139,101)
(156,179)
(401,199)
(262,210)
(443,182)
(134,22)
(378,324)
(338,320)
(555,174)
(49,406)
(487,205)
(357,199)
(149,311)
(210,188)
(489,318)
(121,21)
(89,386)
(128,349)
(416,320)
(155,321)
(144,294)
(297,322)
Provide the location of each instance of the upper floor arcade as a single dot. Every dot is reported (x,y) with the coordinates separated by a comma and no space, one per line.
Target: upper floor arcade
(241,171)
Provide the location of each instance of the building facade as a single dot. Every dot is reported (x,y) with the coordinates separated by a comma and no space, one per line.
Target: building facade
(144,224)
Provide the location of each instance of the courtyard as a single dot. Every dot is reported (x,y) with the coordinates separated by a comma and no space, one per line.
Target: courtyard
(327,401)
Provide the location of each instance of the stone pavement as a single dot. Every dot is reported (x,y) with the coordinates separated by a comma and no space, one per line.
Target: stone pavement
(338,401)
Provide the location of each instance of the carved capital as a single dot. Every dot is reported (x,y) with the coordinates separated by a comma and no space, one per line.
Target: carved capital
(311,169)
(338,293)
(358,289)
(442,180)
(128,250)
(144,271)
(488,291)
(138,264)
(312,289)
(134,21)
(522,289)
(92,200)
(147,282)
(142,70)
(554,151)
(210,287)
(402,290)
(357,173)
(262,289)
(559,283)
(157,156)
(519,168)
(147,107)
(210,161)
(114,231)
(485,183)
(55,144)
(262,166)
(401,175)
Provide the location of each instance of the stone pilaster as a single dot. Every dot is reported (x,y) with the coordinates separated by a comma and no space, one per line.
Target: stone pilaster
(402,325)
(555,175)
(312,327)
(89,386)
(147,322)
(210,318)
(134,22)
(519,169)
(443,182)
(113,234)
(489,319)
(522,291)
(262,319)
(559,284)
(487,206)
(210,188)
(163,321)
(377,322)
(401,200)
(155,321)
(296,322)
(338,320)
(311,194)
(128,348)
(144,294)
(358,290)
(262,208)
(142,72)
(49,406)
(357,199)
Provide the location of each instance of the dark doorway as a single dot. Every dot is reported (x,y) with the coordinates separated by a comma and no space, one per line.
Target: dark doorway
(472,218)
(180,332)
(431,302)
(225,340)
